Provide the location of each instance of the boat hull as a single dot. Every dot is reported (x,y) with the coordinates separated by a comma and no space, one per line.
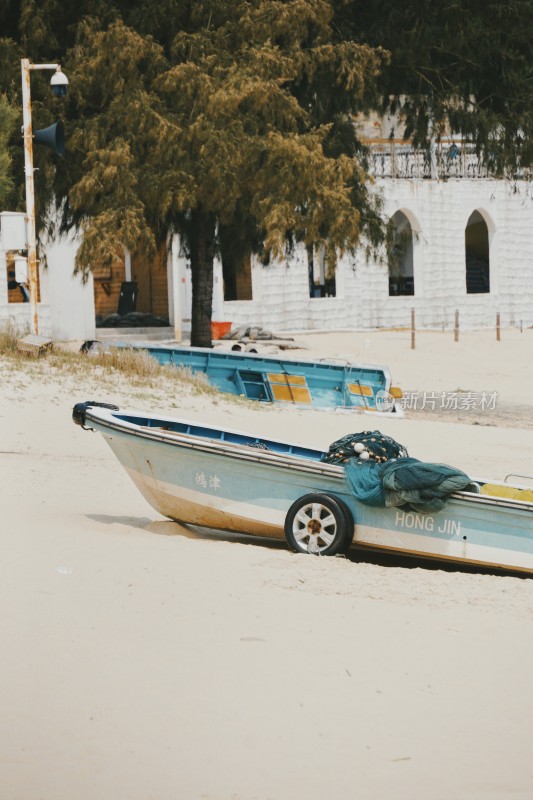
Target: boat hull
(200,477)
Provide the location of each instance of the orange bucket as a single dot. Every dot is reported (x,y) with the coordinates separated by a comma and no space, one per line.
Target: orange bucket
(218,329)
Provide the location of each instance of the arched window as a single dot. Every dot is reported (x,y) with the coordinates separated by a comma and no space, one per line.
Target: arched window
(477,255)
(400,255)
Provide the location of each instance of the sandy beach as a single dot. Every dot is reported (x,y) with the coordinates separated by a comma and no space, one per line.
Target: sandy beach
(145,660)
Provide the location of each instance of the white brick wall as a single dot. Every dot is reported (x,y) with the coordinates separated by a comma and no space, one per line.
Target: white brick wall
(439,211)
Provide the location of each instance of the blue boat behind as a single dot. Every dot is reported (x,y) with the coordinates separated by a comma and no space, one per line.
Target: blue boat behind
(324,384)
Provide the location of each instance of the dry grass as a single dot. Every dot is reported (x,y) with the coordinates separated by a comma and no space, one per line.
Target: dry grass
(9,336)
(136,367)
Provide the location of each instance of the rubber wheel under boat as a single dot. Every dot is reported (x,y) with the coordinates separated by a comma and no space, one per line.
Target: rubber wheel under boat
(319,524)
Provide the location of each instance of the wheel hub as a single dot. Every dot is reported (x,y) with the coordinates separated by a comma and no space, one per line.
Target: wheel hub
(314,526)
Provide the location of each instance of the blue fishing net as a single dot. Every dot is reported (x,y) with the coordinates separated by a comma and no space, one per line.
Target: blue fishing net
(380,448)
(388,477)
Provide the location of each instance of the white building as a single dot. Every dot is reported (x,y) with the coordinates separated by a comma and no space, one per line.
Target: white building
(486,224)
(66,304)
(460,242)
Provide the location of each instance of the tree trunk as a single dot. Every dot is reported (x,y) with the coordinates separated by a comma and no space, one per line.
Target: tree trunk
(202,247)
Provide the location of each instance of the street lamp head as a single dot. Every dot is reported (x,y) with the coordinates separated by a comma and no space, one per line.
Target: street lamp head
(59,83)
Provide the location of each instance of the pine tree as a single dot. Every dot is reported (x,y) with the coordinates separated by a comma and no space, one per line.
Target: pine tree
(232,119)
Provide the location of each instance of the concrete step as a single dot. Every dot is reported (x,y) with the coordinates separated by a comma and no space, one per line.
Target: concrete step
(132,334)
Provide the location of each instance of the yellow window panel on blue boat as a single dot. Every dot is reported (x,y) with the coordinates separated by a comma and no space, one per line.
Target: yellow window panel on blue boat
(290,380)
(281,393)
(300,394)
(359,388)
(289,388)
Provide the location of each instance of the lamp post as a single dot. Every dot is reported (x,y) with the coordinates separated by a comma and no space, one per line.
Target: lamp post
(59,83)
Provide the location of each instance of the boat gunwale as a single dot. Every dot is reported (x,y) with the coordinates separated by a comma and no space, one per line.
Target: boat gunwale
(244,452)
(309,361)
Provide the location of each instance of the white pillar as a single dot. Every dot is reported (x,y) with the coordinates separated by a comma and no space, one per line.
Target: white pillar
(174,287)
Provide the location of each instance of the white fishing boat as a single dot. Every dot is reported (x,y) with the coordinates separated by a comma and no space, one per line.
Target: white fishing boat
(233,481)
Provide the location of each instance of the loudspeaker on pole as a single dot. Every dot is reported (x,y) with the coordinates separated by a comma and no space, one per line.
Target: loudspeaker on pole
(53,137)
